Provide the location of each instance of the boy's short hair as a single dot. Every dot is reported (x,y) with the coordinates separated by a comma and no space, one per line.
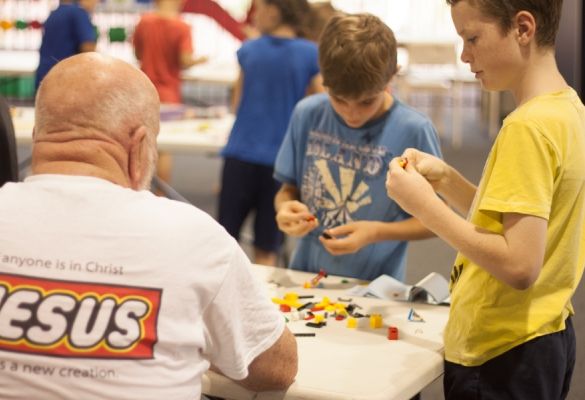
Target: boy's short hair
(546,12)
(357,55)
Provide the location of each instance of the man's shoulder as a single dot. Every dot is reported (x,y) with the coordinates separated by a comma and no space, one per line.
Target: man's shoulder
(176,212)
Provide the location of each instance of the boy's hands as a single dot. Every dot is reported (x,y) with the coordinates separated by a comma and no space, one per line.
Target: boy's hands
(349,238)
(432,168)
(413,186)
(295,219)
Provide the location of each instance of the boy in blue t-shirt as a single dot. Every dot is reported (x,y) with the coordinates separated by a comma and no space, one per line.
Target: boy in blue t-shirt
(335,156)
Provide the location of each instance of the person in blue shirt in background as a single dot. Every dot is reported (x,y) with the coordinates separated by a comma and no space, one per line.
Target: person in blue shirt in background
(277,69)
(335,155)
(67,31)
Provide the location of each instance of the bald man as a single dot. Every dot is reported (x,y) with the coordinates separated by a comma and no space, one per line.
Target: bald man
(107,291)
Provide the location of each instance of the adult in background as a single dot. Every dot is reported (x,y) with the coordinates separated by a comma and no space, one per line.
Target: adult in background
(118,292)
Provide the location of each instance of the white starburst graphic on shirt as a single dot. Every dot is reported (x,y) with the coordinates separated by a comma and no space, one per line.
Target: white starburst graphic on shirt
(340,203)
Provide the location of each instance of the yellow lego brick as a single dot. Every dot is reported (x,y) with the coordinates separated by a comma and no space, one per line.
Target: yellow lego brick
(375,321)
(352,322)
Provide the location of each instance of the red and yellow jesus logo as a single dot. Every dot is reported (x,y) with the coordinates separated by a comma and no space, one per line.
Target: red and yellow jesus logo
(77,319)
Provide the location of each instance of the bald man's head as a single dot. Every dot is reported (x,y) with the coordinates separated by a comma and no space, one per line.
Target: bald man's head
(92,89)
(94,101)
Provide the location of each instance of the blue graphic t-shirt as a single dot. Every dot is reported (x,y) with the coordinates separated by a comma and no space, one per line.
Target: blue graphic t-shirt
(341,173)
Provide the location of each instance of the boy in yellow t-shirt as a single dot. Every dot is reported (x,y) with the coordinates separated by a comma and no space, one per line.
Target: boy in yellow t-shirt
(521,253)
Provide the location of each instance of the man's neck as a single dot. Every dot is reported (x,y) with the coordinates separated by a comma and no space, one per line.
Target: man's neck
(90,157)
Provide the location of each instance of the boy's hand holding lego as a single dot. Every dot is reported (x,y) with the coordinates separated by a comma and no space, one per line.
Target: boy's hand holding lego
(513,257)
(295,219)
(349,238)
(447,182)
(408,187)
(432,168)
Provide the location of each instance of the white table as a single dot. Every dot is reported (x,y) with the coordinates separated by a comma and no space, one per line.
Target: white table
(25,62)
(340,363)
(193,136)
(18,63)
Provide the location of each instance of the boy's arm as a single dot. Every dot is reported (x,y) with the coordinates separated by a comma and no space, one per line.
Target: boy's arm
(185,45)
(292,216)
(514,257)
(287,192)
(187,60)
(352,237)
(237,92)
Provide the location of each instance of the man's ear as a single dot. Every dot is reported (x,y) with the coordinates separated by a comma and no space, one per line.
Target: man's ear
(525,25)
(137,156)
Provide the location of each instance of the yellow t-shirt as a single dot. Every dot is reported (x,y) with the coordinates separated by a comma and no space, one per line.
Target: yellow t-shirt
(536,167)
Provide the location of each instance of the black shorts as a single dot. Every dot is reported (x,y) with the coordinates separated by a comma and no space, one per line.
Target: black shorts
(247,187)
(540,369)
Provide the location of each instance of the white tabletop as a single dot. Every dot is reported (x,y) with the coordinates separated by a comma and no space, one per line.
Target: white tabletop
(342,363)
(193,136)
(19,63)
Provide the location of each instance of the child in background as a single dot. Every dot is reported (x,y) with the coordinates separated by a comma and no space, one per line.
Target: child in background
(163,46)
(277,70)
(67,31)
(521,248)
(334,158)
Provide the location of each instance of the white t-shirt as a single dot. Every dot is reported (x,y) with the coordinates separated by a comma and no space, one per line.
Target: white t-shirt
(109,293)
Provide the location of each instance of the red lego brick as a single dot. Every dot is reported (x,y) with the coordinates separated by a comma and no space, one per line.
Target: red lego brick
(392,333)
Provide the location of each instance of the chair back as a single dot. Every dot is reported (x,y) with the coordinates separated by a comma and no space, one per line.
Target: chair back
(8,153)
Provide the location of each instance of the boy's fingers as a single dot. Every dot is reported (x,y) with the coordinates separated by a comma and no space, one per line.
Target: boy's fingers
(410,153)
(299,207)
(335,247)
(425,167)
(339,230)
(397,163)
